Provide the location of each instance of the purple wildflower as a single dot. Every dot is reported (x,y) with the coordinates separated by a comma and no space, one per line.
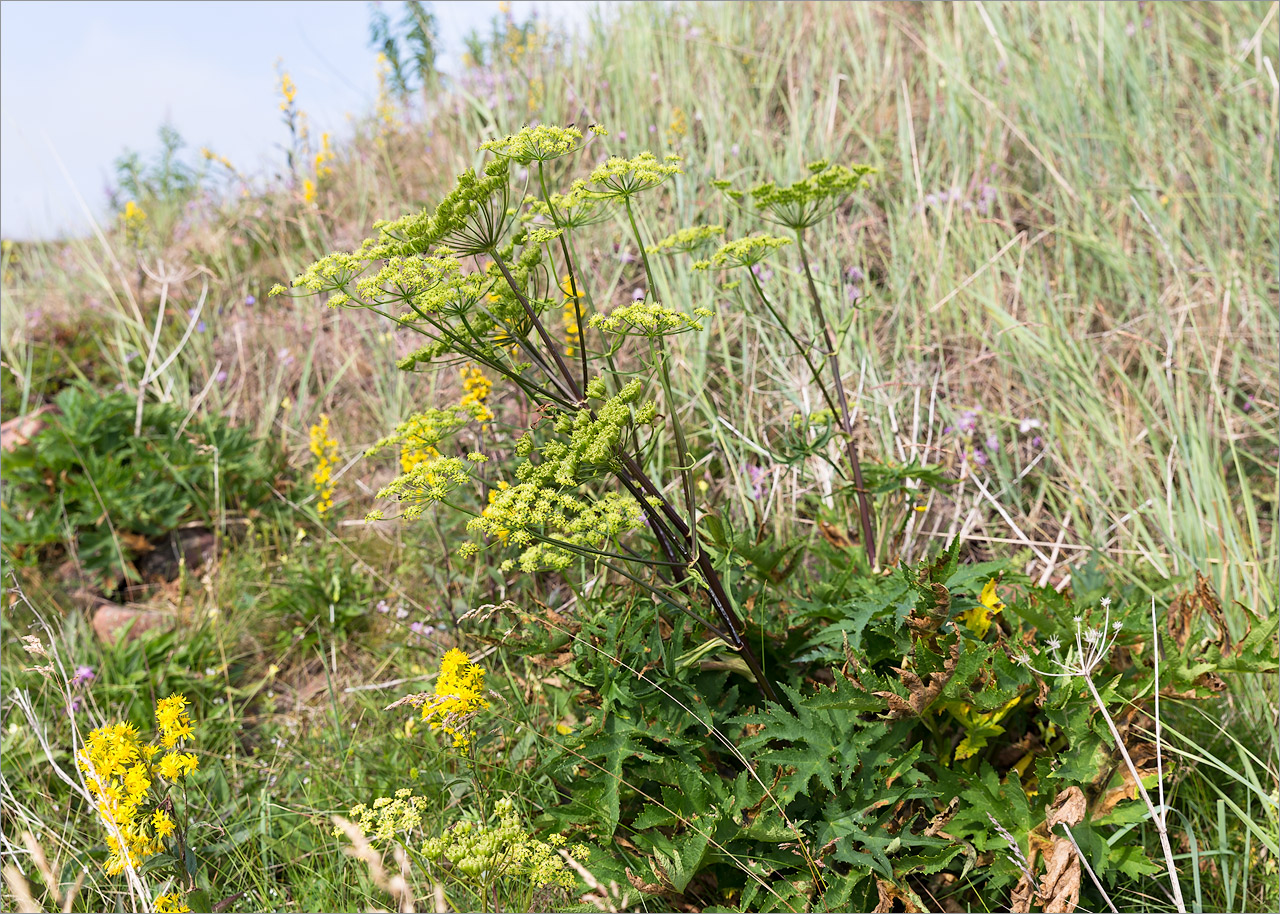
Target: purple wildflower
(968,421)
(992,442)
(83,675)
(855,274)
(763,273)
(979,457)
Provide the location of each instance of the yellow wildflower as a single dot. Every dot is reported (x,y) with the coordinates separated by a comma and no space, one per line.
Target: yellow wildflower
(308,190)
(325,450)
(679,125)
(476,389)
(164,825)
(171,903)
(288,90)
(572,332)
(459,697)
(134,219)
(170,767)
(173,720)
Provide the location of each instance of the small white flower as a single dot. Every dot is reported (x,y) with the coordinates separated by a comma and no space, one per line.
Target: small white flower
(1076,619)
(1116,626)
(1054,643)
(1105,601)
(1027,425)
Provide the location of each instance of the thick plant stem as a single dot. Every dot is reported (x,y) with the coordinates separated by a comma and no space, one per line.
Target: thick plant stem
(833,359)
(686,539)
(542,331)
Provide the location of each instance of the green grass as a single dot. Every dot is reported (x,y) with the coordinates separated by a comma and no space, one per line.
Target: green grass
(1116,282)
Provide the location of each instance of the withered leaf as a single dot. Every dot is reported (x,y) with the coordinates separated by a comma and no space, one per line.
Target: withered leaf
(1023,892)
(920,695)
(889,893)
(1068,807)
(1187,607)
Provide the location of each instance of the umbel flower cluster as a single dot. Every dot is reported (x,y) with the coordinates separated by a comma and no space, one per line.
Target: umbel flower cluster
(505,851)
(130,780)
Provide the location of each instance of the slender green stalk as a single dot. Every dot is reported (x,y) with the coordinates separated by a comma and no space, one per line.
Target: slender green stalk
(864,502)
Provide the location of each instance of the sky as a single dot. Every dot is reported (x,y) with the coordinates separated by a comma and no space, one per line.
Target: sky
(82,81)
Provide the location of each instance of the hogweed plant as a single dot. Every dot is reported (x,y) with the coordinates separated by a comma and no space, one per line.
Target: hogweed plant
(484,279)
(798,207)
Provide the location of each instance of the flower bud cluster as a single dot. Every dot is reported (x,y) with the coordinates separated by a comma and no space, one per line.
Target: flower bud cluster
(742,252)
(647,318)
(687,240)
(505,851)
(808,201)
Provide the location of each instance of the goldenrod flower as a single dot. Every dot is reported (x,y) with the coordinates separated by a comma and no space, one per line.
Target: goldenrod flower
(170,903)
(476,389)
(325,450)
(170,767)
(134,220)
(459,697)
(164,825)
(119,774)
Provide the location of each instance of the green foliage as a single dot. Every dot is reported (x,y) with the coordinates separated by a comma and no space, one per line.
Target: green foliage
(408,45)
(89,486)
(885,776)
(320,595)
(165,180)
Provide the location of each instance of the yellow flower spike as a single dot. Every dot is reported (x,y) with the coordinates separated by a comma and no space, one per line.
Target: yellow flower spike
(325,449)
(459,697)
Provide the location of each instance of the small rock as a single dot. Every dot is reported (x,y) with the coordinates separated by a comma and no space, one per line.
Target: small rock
(19,430)
(110,621)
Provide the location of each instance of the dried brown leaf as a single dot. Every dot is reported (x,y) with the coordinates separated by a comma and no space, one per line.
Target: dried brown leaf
(1187,607)
(890,893)
(1060,885)
(921,695)
(1068,807)
(1023,892)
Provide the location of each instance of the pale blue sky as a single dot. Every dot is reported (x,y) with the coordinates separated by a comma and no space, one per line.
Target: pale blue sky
(80,81)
